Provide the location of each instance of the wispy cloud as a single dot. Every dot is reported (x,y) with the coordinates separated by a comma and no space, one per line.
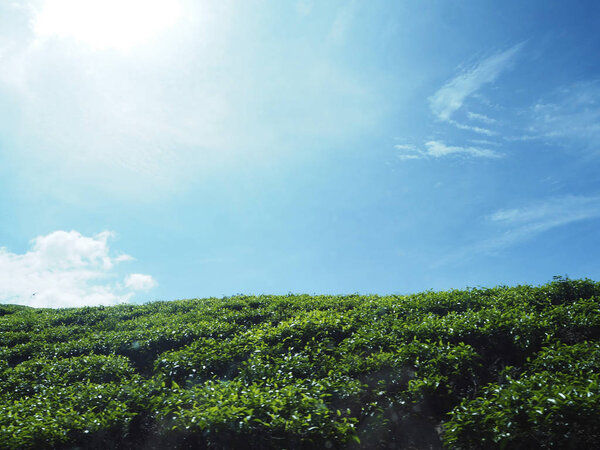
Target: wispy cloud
(474,128)
(451,97)
(571,114)
(453,94)
(550,213)
(65,269)
(409,151)
(523,223)
(481,118)
(437,149)
(509,227)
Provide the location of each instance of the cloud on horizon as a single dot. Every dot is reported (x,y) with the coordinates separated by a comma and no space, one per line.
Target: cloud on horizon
(67,269)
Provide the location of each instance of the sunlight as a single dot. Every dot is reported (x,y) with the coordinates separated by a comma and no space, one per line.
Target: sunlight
(100,24)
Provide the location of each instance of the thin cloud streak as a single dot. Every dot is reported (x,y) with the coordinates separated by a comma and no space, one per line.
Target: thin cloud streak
(553,212)
(513,226)
(437,149)
(481,118)
(525,223)
(476,129)
(450,97)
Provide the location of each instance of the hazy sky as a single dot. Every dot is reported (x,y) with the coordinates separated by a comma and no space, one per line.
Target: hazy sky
(163,149)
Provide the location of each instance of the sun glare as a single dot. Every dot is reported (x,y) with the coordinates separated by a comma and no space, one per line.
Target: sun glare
(120,24)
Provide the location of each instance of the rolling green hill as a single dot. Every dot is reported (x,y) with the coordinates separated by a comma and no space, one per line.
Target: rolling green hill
(506,367)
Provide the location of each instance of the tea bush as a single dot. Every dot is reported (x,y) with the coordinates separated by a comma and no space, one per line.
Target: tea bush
(542,410)
(505,367)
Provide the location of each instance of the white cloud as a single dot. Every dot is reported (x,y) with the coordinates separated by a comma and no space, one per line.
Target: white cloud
(452,95)
(437,149)
(65,269)
(140,282)
(63,249)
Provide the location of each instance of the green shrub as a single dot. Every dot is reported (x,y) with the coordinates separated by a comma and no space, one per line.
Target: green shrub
(543,410)
(237,414)
(76,414)
(33,376)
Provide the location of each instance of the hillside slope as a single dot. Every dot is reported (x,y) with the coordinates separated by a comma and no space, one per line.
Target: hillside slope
(506,367)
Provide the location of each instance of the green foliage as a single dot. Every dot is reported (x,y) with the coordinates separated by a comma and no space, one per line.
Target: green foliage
(542,410)
(36,375)
(238,414)
(63,414)
(506,367)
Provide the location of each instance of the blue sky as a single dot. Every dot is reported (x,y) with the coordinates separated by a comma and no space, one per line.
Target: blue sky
(176,149)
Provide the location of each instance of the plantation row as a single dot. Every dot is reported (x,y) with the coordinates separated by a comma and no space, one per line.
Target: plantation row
(507,367)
